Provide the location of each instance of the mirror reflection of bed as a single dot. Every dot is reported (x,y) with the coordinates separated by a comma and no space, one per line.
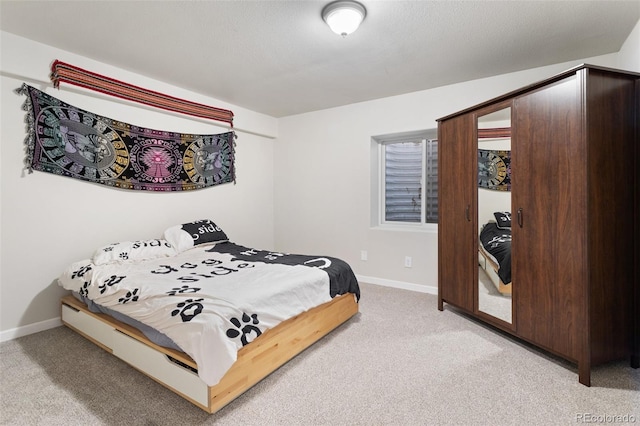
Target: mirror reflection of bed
(494,206)
(494,297)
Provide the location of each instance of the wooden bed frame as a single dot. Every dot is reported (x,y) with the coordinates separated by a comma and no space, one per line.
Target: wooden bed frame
(178,372)
(491,267)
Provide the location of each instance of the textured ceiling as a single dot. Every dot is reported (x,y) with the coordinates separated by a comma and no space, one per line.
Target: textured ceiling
(279,57)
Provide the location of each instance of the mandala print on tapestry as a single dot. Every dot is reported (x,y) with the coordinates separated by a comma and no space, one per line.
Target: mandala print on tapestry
(494,170)
(68,141)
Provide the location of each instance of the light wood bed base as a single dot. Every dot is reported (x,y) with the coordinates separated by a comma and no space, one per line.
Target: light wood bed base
(174,369)
(492,271)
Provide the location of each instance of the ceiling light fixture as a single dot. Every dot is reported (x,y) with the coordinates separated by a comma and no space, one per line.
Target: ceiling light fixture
(343,16)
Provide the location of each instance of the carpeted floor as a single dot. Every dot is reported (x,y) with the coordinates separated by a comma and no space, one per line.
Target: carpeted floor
(491,301)
(399,362)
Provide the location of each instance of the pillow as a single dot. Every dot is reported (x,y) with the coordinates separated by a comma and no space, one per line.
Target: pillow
(189,235)
(133,251)
(503,219)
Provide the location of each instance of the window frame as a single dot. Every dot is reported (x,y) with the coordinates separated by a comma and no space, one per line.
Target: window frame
(378,195)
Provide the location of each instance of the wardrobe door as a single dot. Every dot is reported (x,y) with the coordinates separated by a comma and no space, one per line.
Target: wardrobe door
(548,226)
(457,257)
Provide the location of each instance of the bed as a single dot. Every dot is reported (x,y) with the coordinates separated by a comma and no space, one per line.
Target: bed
(494,251)
(203,316)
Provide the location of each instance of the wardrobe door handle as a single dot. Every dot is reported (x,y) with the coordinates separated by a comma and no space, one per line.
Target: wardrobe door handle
(520,217)
(466,213)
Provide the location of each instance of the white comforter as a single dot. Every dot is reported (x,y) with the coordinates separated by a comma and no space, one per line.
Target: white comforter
(207,303)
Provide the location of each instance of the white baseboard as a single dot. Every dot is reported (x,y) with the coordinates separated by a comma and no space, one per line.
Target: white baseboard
(14,333)
(25,330)
(398,284)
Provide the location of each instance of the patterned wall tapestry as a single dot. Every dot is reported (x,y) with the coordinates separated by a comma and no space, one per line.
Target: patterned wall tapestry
(68,141)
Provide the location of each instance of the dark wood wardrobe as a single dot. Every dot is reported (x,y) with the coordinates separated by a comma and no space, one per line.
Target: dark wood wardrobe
(573,147)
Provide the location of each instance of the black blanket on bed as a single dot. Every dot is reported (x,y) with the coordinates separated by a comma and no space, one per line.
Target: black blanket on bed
(341,277)
(497,242)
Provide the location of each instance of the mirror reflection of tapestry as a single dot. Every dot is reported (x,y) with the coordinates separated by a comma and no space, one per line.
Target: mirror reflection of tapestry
(494,169)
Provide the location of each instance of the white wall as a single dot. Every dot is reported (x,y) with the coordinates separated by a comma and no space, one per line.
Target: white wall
(629,54)
(322,174)
(50,221)
(319,168)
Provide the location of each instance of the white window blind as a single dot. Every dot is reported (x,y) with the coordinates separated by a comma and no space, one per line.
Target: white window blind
(431,181)
(411,181)
(403,182)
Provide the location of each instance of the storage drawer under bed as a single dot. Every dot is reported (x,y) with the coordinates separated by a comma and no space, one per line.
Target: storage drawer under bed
(157,365)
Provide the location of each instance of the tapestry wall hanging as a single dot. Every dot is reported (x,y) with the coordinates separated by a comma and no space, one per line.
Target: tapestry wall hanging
(494,169)
(68,141)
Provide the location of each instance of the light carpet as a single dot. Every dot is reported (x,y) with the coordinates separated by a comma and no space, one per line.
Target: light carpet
(400,361)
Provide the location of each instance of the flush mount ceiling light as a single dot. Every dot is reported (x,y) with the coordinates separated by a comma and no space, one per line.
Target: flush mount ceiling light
(343,16)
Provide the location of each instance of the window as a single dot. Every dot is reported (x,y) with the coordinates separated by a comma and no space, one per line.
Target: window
(406,179)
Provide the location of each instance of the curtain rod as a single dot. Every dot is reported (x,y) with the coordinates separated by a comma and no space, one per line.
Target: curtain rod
(48,84)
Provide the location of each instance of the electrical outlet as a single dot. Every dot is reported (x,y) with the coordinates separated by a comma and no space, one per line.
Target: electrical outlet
(363,255)
(407,261)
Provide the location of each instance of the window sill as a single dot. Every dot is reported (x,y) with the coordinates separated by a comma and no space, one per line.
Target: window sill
(428,227)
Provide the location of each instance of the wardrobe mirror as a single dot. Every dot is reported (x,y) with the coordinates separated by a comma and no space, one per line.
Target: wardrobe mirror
(494,214)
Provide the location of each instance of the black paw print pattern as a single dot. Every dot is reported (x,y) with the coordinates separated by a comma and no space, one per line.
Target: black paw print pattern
(182,290)
(189,309)
(124,255)
(80,272)
(246,330)
(131,296)
(84,290)
(112,280)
